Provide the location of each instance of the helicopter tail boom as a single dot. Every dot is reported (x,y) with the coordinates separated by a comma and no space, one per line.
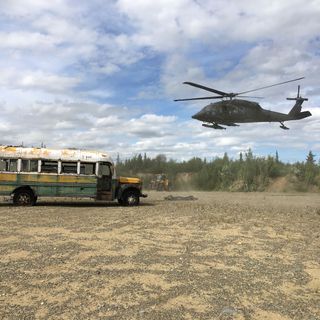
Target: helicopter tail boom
(296,109)
(302,115)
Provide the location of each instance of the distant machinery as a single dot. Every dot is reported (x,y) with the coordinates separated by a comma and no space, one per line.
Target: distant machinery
(159,182)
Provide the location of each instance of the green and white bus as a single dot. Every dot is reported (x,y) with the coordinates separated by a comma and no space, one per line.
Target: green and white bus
(29,173)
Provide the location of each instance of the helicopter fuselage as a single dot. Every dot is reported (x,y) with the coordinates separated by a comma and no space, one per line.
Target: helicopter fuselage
(229,112)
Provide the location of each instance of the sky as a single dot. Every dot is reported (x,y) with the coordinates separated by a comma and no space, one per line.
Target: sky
(103,75)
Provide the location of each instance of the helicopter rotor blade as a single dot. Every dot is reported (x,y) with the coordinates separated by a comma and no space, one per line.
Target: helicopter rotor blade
(206,88)
(201,98)
(273,85)
(251,97)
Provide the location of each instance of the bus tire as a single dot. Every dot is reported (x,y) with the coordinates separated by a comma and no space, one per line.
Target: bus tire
(24,197)
(131,198)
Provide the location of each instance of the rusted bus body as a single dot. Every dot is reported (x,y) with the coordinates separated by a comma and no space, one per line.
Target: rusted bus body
(27,173)
(54,154)
(49,184)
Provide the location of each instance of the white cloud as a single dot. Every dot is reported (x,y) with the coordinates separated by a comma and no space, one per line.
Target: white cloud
(37,80)
(25,40)
(227,141)
(20,8)
(151,125)
(49,82)
(64,65)
(109,68)
(112,120)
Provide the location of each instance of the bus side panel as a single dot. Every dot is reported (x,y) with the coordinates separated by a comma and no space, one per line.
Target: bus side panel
(75,186)
(60,185)
(8,182)
(79,186)
(50,185)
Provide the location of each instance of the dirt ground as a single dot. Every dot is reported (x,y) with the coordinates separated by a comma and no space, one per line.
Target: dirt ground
(222,256)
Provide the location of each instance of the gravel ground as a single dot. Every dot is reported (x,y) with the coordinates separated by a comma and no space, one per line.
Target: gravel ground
(222,256)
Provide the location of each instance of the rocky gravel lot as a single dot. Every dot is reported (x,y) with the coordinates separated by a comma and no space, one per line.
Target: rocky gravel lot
(222,256)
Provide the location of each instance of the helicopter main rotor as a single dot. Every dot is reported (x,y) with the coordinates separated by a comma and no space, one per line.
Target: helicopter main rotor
(230,95)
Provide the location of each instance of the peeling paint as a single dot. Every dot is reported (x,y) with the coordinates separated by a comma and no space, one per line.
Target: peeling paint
(54,154)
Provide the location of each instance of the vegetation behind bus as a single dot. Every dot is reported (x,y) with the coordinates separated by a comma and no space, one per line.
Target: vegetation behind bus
(246,173)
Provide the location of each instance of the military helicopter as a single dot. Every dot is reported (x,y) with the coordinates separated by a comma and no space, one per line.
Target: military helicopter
(231,111)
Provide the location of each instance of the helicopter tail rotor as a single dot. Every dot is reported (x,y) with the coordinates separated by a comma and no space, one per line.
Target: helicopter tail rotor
(298,97)
(295,112)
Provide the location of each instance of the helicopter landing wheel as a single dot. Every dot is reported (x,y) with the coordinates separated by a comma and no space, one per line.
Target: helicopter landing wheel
(283,126)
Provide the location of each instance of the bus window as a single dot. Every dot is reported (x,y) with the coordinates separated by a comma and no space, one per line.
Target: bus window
(104,169)
(29,165)
(10,165)
(3,165)
(13,165)
(49,166)
(69,167)
(87,168)
(33,165)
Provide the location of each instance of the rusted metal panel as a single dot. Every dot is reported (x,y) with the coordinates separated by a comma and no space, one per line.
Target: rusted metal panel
(8,177)
(49,185)
(6,189)
(55,178)
(54,154)
(129,180)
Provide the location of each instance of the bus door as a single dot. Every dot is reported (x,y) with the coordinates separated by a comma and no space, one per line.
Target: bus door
(104,183)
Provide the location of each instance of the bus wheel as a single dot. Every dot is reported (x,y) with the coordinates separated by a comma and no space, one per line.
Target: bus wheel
(131,198)
(24,197)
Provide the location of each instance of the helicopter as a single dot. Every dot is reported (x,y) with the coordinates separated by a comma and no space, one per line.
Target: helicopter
(232,111)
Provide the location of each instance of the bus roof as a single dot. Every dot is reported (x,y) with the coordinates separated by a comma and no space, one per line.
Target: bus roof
(54,154)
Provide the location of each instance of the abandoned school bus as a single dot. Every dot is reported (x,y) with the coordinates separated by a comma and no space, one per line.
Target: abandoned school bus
(29,173)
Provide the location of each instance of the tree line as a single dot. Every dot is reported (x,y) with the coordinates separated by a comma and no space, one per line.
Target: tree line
(247,173)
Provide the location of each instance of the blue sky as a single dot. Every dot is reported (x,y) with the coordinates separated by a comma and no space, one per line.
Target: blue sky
(103,74)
